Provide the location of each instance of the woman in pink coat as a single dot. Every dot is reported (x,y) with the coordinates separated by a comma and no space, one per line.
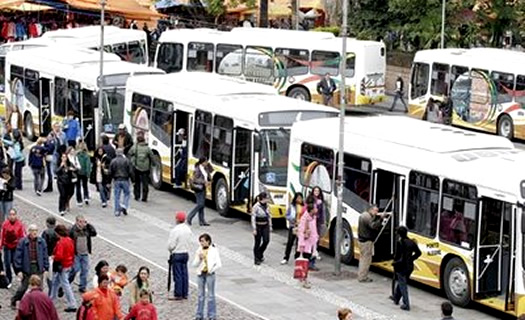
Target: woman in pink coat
(307,235)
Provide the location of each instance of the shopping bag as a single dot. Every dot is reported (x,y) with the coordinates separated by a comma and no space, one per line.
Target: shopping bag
(300,270)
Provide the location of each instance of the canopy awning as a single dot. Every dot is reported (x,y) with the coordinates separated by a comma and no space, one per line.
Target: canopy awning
(129,8)
(277,8)
(165,4)
(9,3)
(28,7)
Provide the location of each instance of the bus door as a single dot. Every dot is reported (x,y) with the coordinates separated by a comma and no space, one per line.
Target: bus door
(44,112)
(87,118)
(179,149)
(494,263)
(241,167)
(388,195)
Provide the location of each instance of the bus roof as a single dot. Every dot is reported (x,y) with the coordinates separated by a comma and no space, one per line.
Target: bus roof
(476,158)
(318,35)
(92,33)
(224,95)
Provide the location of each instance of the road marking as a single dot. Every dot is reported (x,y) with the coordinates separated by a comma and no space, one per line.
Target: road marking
(165,270)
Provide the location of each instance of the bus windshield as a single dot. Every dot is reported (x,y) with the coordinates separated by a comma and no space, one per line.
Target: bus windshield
(273,158)
(113,108)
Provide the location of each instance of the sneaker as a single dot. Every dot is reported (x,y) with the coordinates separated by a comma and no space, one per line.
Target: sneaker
(48,190)
(79,204)
(365,280)
(313,268)
(62,213)
(86,202)
(124,211)
(60,292)
(307,285)
(284,261)
(405,307)
(393,300)
(38,193)
(104,204)
(9,285)
(117,214)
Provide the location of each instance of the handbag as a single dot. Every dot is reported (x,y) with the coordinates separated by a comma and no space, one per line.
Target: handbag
(300,270)
(57,266)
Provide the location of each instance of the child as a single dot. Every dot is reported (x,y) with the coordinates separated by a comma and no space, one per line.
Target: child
(118,279)
(144,307)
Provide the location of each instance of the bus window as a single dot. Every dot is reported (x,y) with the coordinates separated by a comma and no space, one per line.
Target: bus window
(113,108)
(317,166)
(221,152)
(140,111)
(202,135)
(439,83)
(356,177)
(170,57)
(228,60)
(419,80)
(504,83)
(162,121)
(32,87)
(292,62)
(89,103)
(324,62)
(258,62)
(423,203)
(480,88)
(456,72)
(121,50)
(137,52)
(519,93)
(350,65)
(60,97)
(200,57)
(273,158)
(73,101)
(457,222)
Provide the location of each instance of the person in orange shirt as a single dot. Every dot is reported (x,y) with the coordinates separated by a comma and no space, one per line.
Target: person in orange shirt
(118,279)
(104,301)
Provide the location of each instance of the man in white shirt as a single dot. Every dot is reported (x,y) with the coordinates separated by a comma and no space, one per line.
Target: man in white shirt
(179,244)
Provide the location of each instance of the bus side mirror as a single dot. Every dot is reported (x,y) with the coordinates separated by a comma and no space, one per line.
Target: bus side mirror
(256,142)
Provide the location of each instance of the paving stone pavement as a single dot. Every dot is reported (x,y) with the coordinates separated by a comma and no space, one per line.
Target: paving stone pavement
(104,250)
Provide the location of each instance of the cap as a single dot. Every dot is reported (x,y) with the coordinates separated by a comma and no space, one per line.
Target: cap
(180,216)
(122,126)
(181,131)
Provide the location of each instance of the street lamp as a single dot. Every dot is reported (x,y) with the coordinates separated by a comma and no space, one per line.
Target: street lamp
(99,114)
(443,25)
(342,104)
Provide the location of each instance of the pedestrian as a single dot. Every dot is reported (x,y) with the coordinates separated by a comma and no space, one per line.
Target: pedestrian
(292,217)
(326,88)
(56,145)
(344,314)
(104,301)
(81,233)
(407,251)
(7,142)
(63,260)
(141,156)
(307,236)
(207,261)
(13,231)
(100,175)
(65,173)
(144,308)
(179,244)
(102,268)
(120,171)
(398,95)
(123,139)
(37,156)
(108,148)
(140,282)
(18,157)
(368,227)
(7,186)
(75,169)
(30,259)
(118,279)
(199,183)
(72,129)
(316,197)
(84,172)
(35,304)
(261,226)
(51,238)
(4,157)
(181,167)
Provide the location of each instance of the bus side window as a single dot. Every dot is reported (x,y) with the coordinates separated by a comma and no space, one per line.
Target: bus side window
(228,59)
(73,102)
(140,111)
(324,62)
(356,178)
(200,57)
(258,63)
(162,121)
(60,97)
(202,134)
(419,81)
(170,57)
(293,62)
(32,87)
(423,202)
(519,93)
(317,166)
(439,83)
(221,153)
(504,84)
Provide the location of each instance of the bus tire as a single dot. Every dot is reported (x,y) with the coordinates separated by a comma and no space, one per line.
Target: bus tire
(156,172)
(300,93)
(347,243)
(222,202)
(505,127)
(457,283)
(28,127)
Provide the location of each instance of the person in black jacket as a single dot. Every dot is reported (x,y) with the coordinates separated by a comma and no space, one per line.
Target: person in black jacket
(123,139)
(81,233)
(120,171)
(7,185)
(407,251)
(51,238)
(326,88)
(66,188)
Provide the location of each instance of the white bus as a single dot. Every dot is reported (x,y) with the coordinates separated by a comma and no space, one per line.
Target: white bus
(460,194)
(292,61)
(242,127)
(486,87)
(43,84)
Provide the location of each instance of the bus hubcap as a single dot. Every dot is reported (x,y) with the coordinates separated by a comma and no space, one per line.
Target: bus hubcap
(346,243)
(458,282)
(222,197)
(156,172)
(505,128)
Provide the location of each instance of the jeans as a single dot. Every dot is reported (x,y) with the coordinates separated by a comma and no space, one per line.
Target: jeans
(398,96)
(49,165)
(328,100)
(121,186)
(5,207)
(103,192)
(9,263)
(18,174)
(401,289)
(60,279)
(141,184)
(82,183)
(289,244)
(261,241)
(82,265)
(65,191)
(179,263)
(206,289)
(38,176)
(200,198)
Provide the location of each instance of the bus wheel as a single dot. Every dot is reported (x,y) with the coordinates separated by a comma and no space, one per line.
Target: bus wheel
(222,204)
(156,172)
(456,282)
(506,127)
(347,243)
(299,93)
(28,127)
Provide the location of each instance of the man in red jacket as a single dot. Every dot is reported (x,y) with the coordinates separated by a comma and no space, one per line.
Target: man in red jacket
(12,231)
(36,304)
(63,258)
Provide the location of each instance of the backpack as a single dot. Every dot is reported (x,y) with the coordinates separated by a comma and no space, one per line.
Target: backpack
(85,312)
